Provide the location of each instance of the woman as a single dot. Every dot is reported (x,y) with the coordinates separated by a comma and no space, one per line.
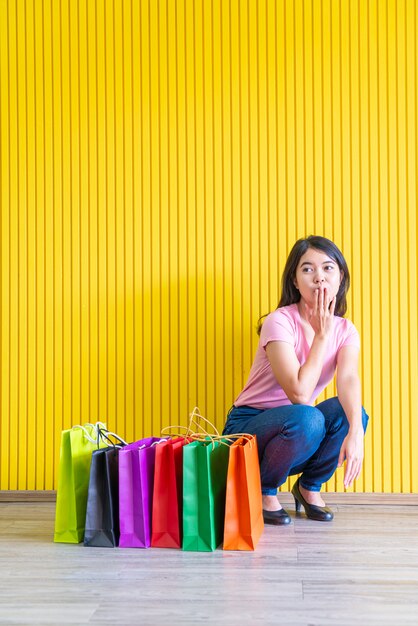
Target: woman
(301,345)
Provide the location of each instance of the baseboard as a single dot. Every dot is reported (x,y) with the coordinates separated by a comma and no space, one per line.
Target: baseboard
(28,496)
(395,499)
(388,499)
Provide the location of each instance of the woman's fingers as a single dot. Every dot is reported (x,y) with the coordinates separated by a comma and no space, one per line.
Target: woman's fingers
(323,301)
(323,309)
(316,306)
(320,300)
(326,302)
(347,473)
(352,471)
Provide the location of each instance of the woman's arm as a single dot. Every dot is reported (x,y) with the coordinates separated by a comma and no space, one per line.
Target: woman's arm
(349,395)
(297,382)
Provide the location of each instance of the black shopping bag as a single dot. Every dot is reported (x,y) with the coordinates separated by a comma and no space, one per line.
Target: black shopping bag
(102,517)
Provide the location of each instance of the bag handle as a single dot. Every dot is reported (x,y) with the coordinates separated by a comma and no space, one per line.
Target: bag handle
(222,439)
(204,433)
(186,428)
(247,436)
(104,435)
(196,413)
(87,435)
(99,431)
(237,436)
(154,443)
(192,422)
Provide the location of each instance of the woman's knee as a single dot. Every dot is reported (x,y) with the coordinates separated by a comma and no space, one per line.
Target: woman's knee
(309,422)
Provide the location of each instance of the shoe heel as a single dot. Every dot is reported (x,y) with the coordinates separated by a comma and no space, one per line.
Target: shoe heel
(297,504)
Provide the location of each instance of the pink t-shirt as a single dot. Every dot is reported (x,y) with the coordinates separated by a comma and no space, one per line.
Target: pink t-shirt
(262,390)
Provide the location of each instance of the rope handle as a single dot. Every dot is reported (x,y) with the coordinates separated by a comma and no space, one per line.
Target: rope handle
(193,422)
(202,430)
(208,438)
(189,432)
(204,433)
(104,435)
(247,436)
(87,435)
(186,428)
(99,431)
(235,436)
(196,413)
(154,443)
(222,439)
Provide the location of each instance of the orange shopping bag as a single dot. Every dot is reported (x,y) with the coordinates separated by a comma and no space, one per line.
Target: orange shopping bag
(244,522)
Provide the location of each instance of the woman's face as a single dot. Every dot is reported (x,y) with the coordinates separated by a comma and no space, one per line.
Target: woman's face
(317,270)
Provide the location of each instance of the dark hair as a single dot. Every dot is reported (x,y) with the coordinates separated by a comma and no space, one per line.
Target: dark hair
(290,294)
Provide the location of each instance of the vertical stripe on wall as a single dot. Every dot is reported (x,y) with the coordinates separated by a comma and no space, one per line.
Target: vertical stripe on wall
(158,160)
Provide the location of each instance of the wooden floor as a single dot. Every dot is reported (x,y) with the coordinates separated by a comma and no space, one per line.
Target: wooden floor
(361,569)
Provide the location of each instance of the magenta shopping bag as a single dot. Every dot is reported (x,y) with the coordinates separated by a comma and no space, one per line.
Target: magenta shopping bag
(136,484)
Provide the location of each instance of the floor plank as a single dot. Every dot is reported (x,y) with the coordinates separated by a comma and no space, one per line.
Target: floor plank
(361,568)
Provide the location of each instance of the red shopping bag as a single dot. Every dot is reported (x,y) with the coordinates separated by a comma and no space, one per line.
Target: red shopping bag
(243,506)
(168,494)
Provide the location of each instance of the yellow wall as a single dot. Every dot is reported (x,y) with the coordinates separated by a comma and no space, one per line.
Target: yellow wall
(158,161)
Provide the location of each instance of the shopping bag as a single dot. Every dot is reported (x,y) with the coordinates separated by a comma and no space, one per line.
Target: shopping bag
(136,484)
(168,495)
(102,515)
(205,466)
(77,445)
(243,505)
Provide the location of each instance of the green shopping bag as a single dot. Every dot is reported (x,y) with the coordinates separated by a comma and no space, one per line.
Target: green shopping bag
(77,445)
(205,467)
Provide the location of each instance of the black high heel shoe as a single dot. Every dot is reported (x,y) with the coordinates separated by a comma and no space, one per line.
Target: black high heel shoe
(278,518)
(318,513)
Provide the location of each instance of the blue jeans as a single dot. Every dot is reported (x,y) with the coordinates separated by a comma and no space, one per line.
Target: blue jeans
(294,439)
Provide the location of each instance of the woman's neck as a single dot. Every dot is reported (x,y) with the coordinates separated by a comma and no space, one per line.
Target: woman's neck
(301,309)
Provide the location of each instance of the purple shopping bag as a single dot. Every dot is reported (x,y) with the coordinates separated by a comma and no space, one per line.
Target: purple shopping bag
(136,484)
